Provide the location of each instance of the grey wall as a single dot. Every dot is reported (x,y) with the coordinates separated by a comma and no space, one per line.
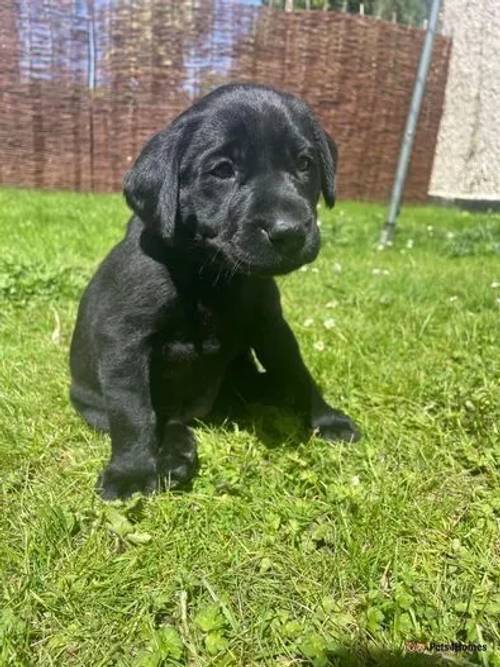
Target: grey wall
(467,159)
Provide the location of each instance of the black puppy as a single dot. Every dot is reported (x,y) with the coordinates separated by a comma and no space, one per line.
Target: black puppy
(224,199)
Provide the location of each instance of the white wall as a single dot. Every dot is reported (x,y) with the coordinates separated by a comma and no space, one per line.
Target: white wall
(467,160)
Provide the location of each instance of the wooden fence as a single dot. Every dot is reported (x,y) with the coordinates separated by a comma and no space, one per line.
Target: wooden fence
(83,83)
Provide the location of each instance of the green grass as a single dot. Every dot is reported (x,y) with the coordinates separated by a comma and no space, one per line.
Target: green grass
(285,552)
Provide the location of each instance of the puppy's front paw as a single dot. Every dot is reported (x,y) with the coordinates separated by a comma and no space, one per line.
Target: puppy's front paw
(121,480)
(335,425)
(177,459)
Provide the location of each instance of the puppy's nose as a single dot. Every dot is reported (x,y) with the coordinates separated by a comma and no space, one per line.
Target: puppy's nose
(287,236)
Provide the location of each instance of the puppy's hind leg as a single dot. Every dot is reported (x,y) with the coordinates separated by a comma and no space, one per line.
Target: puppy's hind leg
(90,406)
(177,457)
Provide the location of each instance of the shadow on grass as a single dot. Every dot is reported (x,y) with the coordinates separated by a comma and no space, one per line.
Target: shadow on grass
(261,411)
(259,405)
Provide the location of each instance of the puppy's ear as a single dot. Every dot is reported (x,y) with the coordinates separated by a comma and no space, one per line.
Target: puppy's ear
(151,187)
(328,159)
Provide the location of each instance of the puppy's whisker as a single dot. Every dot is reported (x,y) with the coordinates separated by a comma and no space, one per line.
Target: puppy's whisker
(235,268)
(209,261)
(219,273)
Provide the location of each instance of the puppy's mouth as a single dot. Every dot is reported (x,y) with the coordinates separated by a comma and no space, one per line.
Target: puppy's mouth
(237,261)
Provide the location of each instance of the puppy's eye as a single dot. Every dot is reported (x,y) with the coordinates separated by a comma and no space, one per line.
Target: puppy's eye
(223,169)
(304,163)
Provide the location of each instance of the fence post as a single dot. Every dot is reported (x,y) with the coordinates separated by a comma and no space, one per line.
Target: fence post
(288,5)
(91,85)
(411,125)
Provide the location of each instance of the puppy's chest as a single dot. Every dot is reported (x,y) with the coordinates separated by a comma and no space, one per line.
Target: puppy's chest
(201,334)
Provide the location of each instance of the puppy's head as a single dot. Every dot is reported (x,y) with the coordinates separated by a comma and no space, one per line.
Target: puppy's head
(238,176)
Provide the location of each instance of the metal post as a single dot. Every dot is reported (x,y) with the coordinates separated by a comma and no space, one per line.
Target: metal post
(411,124)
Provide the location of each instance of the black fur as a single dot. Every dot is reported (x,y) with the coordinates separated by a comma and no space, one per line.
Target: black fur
(224,199)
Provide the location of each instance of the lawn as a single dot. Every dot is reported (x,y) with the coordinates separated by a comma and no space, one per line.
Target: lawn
(286,551)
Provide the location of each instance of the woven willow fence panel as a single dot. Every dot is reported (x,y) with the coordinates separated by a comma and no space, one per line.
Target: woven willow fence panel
(84,83)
